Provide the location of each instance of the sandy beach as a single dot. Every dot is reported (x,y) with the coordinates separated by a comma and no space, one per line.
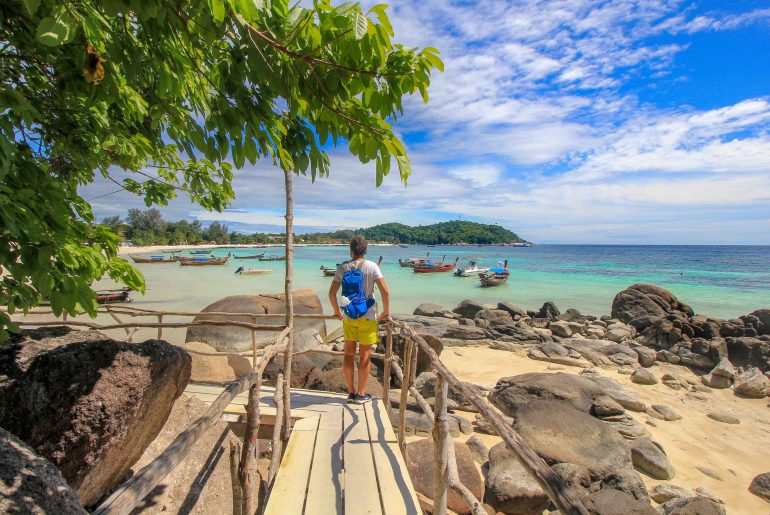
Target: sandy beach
(736,453)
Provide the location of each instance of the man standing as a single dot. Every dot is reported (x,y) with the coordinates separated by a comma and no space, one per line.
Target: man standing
(359,320)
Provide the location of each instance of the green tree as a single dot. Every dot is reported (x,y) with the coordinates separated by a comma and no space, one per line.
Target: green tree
(175,94)
(216,232)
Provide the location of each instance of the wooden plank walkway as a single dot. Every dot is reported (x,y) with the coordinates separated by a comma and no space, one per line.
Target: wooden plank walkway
(341,458)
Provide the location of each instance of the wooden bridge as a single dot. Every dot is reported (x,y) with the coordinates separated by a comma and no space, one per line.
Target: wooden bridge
(328,457)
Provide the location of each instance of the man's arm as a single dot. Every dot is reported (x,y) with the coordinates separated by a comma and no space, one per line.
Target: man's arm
(383,287)
(333,288)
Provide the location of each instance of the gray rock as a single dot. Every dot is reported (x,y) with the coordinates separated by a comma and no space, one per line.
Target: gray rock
(469,308)
(548,310)
(482,426)
(627,426)
(576,476)
(604,406)
(723,416)
(478,448)
(760,485)
(429,309)
(31,484)
(619,334)
(664,492)
(643,376)
(514,309)
(494,316)
(663,412)
(709,472)
(626,371)
(510,488)
(537,354)
(753,384)
(625,398)
(616,502)
(511,393)
(702,492)
(572,315)
(642,300)
(560,433)
(420,424)
(646,355)
(627,480)
(649,457)
(561,329)
(692,506)
(673,381)
(620,354)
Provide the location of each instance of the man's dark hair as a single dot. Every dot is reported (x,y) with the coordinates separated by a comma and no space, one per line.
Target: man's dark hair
(358,246)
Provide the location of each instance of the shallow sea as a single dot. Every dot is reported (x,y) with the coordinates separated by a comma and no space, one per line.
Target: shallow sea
(719,281)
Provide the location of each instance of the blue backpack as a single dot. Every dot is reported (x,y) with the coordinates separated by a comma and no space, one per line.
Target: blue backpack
(353,290)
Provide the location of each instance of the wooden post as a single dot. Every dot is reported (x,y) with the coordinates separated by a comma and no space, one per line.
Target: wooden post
(386,370)
(249,457)
(289,303)
(277,447)
(254,343)
(404,395)
(413,363)
(441,443)
(160,327)
(455,484)
(235,462)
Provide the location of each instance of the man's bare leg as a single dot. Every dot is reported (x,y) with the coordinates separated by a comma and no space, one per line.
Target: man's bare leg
(364,366)
(347,364)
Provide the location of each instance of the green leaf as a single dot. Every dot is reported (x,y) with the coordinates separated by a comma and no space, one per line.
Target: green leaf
(217,10)
(56,31)
(249,9)
(31,5)
(360,24)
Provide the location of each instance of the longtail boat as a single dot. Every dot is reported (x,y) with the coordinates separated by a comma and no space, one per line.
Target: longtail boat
(413,261)
(205,262)
(331,272)
(435,267)
(273,258)
(252,271)
(202,251)
(113,296)
(154,259)
(255,256)
(167,251)
(495,276)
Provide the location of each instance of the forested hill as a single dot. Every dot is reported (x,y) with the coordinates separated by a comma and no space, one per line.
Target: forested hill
(444,233)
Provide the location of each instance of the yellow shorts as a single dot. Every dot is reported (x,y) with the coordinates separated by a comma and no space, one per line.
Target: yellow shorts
(360,330)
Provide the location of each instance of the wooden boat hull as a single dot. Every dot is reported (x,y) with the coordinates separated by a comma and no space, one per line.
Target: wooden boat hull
(112,297)
(254,272)
(149,260)
(202,263)
(443,268)
(201,252)
(255,256)
(328,271)
(279,258)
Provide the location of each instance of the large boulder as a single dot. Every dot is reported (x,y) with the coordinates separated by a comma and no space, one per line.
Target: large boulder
(752,383)
(512,393)
(692,506)
(548,310)
(562,434)
(646,300)
(760,486)
(31,484)
(185,489)
(510,489)
(747,352)
(649,457)
(763,317)
(469,308)
(210,366)
(419,463)
(89,404)
(616,502)
(225,338)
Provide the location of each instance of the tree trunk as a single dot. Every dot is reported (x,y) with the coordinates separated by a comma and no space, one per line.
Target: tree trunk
(287,174)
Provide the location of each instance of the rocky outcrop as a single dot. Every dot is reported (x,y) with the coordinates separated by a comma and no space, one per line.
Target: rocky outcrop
(510,488)
(201,483)
(643,376)
(752,383)
(548,310)
(31,484)
(649,457)
(210,366)
(89,404)
(419,424)
(562,434)
(692,506)
(760,486)
(512,393)
(419,463)
(469,308)
(429,309)
(228,339)
(646,300)
(616,502)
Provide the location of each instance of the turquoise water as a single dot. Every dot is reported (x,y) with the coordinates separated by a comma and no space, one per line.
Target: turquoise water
(719,281)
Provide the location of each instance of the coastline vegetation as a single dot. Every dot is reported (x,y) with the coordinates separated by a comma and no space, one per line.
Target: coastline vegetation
(149,228)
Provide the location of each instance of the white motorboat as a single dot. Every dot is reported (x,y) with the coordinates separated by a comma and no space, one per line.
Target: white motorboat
(469,270)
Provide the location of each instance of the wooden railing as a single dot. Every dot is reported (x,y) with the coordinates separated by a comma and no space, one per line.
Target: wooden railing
(445,467)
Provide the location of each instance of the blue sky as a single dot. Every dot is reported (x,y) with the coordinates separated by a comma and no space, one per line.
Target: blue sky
(566,121)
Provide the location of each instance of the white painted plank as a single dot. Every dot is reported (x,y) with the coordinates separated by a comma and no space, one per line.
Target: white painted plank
(396,489)
(290,487)
(324,493)
(362,495)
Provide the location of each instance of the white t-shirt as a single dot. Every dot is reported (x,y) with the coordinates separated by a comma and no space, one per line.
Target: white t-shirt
(371,272)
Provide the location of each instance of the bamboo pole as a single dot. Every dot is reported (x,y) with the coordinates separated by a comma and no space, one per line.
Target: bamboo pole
(127,496)
(426,408)
(235,462)
(160,327)
(456,484)
(289,303)
(248,470)
(151,325)
(141,312)
(403,398)
(386,370)
(558,491)
(275,458)
(254,343)
(441,443)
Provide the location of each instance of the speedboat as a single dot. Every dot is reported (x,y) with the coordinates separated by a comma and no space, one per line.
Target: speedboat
(469,270)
